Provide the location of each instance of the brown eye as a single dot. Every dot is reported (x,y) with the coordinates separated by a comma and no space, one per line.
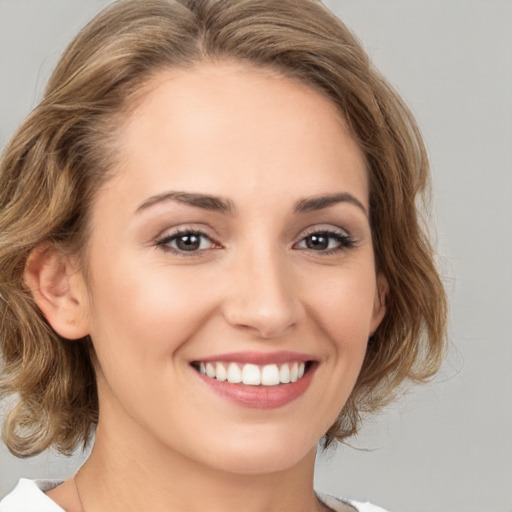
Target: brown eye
(190,242)
(186,242)
(317,241)
(326,241)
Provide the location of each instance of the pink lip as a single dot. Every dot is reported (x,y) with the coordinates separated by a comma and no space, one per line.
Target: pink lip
(259,358)
(260,397)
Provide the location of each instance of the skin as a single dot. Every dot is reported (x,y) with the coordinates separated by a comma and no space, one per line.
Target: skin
(165,440)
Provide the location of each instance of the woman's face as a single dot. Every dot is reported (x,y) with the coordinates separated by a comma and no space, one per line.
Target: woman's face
(233,240)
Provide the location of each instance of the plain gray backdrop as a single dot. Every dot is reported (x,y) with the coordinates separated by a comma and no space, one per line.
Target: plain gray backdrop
(446,447)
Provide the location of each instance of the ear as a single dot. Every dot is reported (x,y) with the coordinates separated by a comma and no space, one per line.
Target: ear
(379,305)
(58,289)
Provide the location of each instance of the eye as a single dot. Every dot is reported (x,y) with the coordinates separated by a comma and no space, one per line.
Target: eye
(326,242)
(186,241)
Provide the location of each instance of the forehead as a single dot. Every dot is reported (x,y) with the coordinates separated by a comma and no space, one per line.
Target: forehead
(220,127)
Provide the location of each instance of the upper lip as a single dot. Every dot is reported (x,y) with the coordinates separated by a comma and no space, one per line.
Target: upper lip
(257,358)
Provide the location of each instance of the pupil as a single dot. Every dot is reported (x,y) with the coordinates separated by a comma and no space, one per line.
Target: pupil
(188,242)
(317,241)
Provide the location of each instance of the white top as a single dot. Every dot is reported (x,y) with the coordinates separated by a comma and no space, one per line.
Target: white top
(29,496)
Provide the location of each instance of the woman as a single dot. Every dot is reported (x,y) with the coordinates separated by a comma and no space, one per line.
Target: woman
(211,258)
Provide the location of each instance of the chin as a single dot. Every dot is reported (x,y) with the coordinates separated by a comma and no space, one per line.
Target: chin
(262,454)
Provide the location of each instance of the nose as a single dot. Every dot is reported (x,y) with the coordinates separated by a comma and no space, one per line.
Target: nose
(263,295)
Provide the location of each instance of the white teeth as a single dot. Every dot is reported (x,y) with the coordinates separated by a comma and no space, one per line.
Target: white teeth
(210,370)
(220,372)
(270,375)
(252,374)
(234,374)
(300,373)
(293,372)
(284,374)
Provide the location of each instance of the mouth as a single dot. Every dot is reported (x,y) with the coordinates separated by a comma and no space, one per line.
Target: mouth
(249,374)
(257,380)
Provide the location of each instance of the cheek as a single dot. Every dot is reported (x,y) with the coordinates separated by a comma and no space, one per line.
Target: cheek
(342,304)
(141,315)
(344,301)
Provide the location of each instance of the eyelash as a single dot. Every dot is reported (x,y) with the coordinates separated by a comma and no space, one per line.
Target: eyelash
(164,242)
(345,241)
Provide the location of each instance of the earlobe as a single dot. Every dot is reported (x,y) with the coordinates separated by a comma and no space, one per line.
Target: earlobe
(54,284)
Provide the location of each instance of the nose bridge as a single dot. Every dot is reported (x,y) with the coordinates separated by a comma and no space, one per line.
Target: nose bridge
(264,291)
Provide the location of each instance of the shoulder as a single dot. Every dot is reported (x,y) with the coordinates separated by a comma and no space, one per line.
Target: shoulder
(344,505)
(29,496)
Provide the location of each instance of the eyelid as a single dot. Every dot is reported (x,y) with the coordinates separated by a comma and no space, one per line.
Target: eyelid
(184,228)
(163,239)
(346,239)
(323,228)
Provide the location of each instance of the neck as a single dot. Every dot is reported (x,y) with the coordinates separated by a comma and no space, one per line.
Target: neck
(146,476)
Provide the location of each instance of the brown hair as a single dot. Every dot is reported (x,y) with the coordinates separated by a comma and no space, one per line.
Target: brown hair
(62,153)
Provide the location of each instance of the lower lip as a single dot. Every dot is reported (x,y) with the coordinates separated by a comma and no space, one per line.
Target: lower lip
(260,397)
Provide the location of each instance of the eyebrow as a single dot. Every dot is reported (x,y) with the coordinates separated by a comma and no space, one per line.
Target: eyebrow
(204,201)
(324,201)
(222,205)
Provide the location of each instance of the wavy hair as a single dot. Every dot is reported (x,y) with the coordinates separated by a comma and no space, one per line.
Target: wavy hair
(63,152)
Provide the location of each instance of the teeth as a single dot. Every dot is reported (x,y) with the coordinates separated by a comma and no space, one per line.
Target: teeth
(251,375)
(284,374)
(220,372)
(254,375)
(270,375)
(210,370)
(294,372)
(234,374)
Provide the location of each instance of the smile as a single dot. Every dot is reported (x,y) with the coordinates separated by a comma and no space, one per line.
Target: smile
(257,380)
(253,374)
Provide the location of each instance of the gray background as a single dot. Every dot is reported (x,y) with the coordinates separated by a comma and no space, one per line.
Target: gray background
(446,447)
